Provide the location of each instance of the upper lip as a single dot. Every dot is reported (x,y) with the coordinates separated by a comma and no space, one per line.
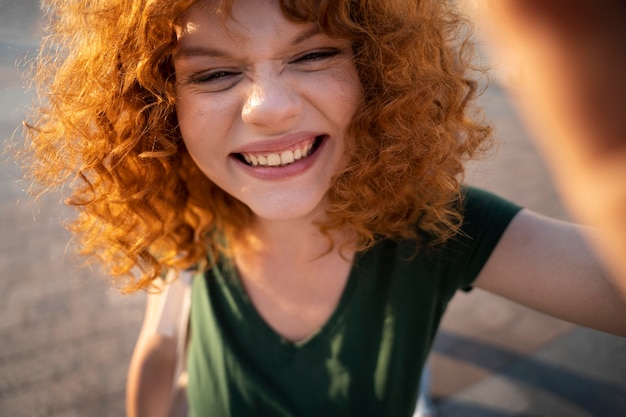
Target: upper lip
(278,144)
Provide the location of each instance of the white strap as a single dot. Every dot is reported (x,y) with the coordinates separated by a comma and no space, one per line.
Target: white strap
(173,307)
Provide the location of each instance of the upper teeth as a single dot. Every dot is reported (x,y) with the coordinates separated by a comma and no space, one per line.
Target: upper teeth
(278,159)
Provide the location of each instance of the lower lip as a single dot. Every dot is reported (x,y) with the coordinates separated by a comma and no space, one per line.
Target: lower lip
(282,172)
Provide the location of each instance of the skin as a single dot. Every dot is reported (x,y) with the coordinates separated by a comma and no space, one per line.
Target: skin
(263,94)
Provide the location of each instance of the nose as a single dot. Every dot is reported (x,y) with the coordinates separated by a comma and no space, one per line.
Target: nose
(271,103)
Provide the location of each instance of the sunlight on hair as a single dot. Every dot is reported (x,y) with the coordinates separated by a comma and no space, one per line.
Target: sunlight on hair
(189,28)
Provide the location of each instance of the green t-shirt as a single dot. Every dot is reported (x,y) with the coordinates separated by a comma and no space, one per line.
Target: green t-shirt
(367,358)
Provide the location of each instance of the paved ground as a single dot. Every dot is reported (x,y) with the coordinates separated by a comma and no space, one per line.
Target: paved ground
(66,337)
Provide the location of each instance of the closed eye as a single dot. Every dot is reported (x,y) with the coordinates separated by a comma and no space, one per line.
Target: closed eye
(317,55)
(213,77)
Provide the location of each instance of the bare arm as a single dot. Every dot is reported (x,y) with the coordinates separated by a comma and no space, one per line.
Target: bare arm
(151,371)
(563,62)
(547,265)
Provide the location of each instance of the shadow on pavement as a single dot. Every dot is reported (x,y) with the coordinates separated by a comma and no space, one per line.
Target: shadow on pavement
(598,397)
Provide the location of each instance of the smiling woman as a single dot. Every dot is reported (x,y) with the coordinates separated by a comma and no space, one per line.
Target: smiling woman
(306,159)
(108,132)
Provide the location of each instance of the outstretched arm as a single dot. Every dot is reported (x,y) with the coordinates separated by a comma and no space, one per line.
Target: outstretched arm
(564,64)
(547,265)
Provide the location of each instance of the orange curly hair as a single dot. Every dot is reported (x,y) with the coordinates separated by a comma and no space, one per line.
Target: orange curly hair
(106,130)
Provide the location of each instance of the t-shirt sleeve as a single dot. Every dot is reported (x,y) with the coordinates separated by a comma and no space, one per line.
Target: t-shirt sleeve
(485,218)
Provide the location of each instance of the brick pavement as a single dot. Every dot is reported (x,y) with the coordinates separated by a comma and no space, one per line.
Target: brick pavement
(66,336)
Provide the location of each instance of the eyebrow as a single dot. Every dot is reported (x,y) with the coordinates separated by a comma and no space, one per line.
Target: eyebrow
(207,51)
(315,30)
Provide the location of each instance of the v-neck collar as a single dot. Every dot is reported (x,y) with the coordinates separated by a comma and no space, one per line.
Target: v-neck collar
(230,277)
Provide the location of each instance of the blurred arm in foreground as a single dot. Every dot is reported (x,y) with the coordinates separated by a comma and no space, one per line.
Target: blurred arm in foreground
(564,64)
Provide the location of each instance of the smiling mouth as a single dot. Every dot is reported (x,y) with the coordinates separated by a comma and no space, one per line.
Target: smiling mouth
(283,158)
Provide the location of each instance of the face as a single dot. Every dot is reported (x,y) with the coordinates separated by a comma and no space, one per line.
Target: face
(264,104)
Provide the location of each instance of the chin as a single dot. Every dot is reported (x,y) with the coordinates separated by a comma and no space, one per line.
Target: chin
(281,210)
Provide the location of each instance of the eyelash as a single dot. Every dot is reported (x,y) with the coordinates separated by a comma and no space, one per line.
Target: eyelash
(212,77)
(317,55)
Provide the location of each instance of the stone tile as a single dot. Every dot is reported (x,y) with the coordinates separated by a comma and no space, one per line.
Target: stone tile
(450,375)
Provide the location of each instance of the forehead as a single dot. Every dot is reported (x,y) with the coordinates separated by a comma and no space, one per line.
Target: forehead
(249,27)
(235,18)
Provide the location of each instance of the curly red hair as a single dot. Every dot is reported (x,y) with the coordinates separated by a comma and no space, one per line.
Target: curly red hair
(107,130)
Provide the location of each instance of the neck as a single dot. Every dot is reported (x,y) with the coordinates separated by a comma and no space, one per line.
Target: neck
(292,244)
(292,274)
(293,239)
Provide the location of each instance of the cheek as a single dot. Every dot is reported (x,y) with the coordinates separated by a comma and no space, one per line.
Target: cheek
(186,112)
(199,141)
(200,120)
(349,97)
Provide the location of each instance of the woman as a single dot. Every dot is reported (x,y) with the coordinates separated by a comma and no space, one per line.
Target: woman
(307,158)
